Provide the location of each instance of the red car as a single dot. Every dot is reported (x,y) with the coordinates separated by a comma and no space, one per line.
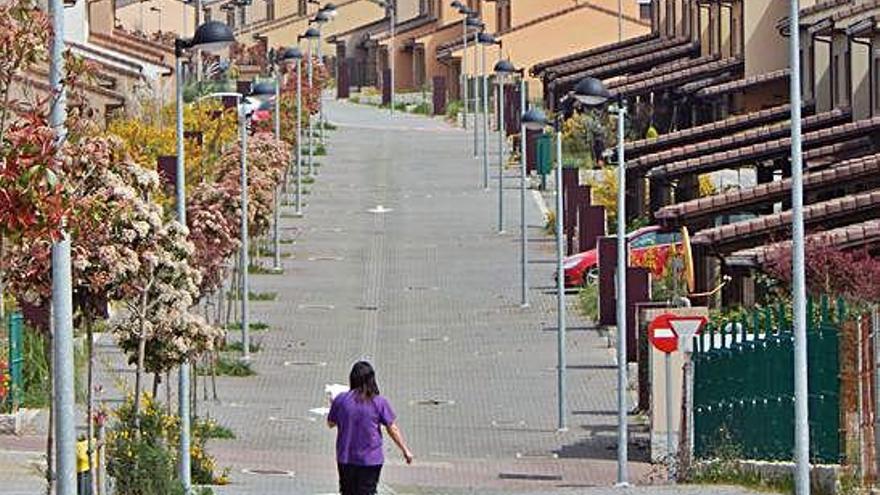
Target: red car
(649,246)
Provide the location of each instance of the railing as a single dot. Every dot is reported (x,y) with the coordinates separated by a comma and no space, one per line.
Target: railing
(744,385)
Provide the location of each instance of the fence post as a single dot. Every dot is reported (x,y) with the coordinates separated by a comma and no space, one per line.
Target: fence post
(875,339)
(16,359)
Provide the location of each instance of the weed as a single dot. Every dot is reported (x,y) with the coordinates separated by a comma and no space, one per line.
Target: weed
(254,296)
(262,270)
(588,301)
(308,180)
(237,346)
(257,325)
(228,366)
(210,428)
(422,109)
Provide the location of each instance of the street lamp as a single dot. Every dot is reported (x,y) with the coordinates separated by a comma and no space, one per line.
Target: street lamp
(293,54)
(504,70)
(310,35)
(391,5)
(798,286)
(322,17)
(210,37)
(591,92)
(463,93)
(485,39)
(266,91)
(158,11)
(472,22)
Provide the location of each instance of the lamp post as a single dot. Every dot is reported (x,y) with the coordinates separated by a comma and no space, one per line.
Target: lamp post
(310,35)
(158,12)
(323,16)
(392,12)
(523,174)
(62,291)
(210,36)
(485,39)
(293,54)
(591,92)
(503,70)
(798,287)
(472,22)
(462,9)
(245,108)
(266,90)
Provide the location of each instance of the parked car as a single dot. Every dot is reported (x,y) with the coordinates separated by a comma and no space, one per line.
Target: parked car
(648,246)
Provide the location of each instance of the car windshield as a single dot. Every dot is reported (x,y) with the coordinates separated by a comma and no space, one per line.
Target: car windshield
(655,238)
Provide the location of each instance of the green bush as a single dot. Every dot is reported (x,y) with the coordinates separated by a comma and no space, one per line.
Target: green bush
(228,366)
(588,301)
(423,108)
(453,108)
(35,370)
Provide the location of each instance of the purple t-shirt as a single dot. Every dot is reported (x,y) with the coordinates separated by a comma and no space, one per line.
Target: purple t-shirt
(358,439)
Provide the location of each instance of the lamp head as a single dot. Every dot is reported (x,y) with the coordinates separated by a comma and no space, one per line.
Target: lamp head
(504,68)
(330,9)
(263,90)
(474,22)
(310,34)
(591,92)
(290,54)
(534,119)
(321,17)
(485,39)
(456,4)
(212,36)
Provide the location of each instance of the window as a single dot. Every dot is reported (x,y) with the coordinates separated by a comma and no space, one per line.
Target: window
(230,18)
(302,7)
(270,9)
(646,11)
(207,15)
(645,240)
(668,237)
(502,14)
(242,15)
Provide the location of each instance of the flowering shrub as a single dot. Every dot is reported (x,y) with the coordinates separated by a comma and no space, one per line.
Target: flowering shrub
(5,383)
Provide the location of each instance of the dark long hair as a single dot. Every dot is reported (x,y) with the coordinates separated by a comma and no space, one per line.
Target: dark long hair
(362,380)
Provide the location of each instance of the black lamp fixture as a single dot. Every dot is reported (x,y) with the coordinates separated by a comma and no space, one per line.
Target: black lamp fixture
(474,22)
(263,90)
(211,36)
(534,119)
(456,4)
(321,17)
(310,34)
(591,92)
(485,38)
(504,68)
(289,54)
(329,9)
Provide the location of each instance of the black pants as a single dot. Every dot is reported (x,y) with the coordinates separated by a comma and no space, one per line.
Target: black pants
(84,483)
(358,480)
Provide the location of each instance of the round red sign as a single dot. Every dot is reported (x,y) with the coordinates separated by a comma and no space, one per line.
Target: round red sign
(662,335)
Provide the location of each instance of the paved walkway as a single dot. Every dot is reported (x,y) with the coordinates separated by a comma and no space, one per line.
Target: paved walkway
(429,293)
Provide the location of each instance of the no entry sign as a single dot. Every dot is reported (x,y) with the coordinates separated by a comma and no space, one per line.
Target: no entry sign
(668,332)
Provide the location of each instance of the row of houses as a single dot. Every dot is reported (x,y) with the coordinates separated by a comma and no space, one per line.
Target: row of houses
(714,77)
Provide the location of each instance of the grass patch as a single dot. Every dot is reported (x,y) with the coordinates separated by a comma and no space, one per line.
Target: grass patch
(287,241)
(228,366)
(255,296)
(329,127)
(264,270)
(209,428)
(422,109)
(237,346)
(290,215)
(308,180)
(588,301)
(320,150)
(268,252)
(257,325)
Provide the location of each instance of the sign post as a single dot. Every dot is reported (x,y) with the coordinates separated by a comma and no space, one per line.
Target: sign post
(669,333)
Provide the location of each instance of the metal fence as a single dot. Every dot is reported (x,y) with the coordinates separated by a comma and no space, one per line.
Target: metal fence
(744,385)
(15,360)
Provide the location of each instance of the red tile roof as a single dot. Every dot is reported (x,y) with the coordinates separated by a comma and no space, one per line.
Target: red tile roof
(735,141)
(765,150)
(720,128)
(740,235)
(746,83)
(851,236)
(709,69)
(639,51)
(675,66)
(538,69)
(859,170)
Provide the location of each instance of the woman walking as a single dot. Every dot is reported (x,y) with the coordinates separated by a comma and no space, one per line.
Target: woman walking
(358,414)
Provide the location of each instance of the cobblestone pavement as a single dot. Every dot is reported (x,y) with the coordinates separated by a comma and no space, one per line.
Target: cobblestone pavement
(427,291)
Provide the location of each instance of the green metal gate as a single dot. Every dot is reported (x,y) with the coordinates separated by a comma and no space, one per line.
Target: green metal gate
(744,385)
(15,327)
